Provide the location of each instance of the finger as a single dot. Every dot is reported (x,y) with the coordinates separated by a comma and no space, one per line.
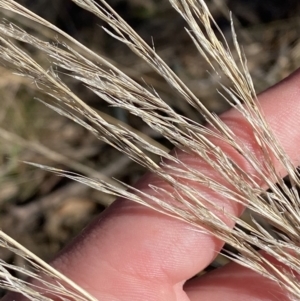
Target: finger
(148,255)
(234,283)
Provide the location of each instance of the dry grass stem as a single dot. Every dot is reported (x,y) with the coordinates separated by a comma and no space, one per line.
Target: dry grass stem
(41,272)
(278,206)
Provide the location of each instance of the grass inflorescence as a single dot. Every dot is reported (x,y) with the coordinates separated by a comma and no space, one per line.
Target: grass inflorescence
(67,59)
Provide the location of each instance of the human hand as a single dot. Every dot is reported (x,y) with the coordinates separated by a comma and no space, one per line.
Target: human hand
(132,253)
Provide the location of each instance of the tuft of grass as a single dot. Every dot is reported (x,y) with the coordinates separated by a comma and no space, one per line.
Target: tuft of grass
(66,59)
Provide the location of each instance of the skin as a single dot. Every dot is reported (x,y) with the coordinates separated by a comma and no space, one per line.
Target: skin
(132,253)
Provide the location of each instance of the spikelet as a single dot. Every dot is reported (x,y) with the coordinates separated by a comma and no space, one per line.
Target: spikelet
(278,206)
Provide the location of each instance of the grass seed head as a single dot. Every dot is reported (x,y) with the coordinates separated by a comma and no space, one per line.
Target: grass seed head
(277,206)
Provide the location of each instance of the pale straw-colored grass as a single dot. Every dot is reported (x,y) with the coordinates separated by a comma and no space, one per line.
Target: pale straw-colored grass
(278,206)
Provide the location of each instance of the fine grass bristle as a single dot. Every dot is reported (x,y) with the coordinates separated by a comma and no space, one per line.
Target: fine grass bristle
(68,58)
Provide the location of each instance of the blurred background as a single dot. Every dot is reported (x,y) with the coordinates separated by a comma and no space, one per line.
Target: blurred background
(43,211)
